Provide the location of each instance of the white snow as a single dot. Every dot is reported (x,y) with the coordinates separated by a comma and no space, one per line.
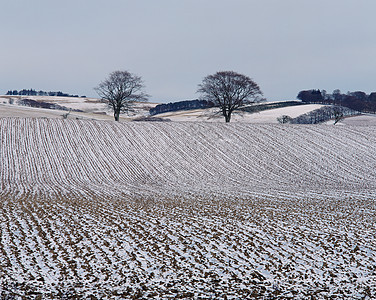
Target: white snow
(183,209)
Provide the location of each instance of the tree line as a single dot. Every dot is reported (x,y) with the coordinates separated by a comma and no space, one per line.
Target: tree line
(320,115)
(358,100)
(32,92)
(266,106)
(42,104)
(180,105)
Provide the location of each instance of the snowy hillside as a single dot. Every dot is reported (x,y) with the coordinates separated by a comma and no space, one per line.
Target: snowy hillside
(82,108)
(94,109)
(265,116)
(190,210)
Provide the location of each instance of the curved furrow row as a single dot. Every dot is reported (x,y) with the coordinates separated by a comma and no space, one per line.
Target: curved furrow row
(342,147)
(87,154)
(332,165)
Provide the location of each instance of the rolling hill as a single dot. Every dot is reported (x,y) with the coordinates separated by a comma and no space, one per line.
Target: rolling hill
(94,109)
(82,108)
(186,210)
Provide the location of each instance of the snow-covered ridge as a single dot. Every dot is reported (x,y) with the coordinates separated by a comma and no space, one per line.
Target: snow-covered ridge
(82,108)
(186,209)
(95,109)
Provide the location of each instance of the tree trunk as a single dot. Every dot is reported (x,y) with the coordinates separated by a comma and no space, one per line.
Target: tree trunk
(116,115)
(227,116)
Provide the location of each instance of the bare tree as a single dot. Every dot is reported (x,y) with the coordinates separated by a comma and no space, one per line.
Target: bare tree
(120,90)
(229,91)
(338,116)
(65,116)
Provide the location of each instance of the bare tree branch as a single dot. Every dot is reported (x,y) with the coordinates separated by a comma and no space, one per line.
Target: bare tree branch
(229,91)
(120,90)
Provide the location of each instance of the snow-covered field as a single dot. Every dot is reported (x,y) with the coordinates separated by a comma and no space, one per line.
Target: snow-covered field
(186,210)
(92,108)
(363,120)
(266,116)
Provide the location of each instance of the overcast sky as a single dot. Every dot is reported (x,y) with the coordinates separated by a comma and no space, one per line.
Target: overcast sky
(284,45)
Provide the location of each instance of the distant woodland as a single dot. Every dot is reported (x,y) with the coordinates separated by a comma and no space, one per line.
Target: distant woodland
(358,100)
(180,105)
(32,92)
(323,114)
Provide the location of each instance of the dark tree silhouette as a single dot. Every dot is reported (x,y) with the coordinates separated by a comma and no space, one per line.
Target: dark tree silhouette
(357,100)
(120,90)
(180,105)
(229,91)
(338,116)
(311,96)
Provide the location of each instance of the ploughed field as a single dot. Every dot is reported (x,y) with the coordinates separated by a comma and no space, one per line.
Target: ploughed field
(186,210)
